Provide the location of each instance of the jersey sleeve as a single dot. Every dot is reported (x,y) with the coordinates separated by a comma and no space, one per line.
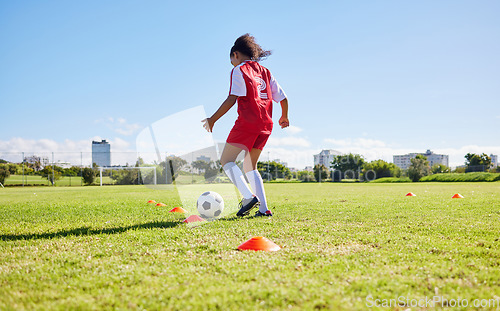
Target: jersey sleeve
(277,91)
(238,86)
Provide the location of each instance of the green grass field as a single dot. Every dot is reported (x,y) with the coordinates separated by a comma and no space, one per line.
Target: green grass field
(94,248)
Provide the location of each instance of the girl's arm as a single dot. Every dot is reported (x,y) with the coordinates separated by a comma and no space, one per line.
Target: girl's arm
(208,123)
(284,114)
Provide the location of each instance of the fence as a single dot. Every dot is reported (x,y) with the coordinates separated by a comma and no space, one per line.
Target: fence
(55,168)
(127,168)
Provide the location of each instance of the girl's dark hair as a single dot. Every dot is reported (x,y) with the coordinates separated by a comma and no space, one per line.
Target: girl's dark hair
(246,45)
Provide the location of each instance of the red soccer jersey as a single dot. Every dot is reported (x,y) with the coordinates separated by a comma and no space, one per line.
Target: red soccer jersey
(256,92)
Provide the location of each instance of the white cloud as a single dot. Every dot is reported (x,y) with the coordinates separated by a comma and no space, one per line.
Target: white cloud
(355,143)
(288,141)
(297,158)
(292,130)
(120,125)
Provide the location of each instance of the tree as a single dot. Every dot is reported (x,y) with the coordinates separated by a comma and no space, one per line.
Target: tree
(12,168)
(419,168)
(460,169)
(320,172)
(211,170)
(439,168)
(477,163)
(379,169)
(4,173)
(348,165)
(69,172)
(33,162)
(51,173)
(200,165)
(88,175)
(305,176)
(271,170)
(126,177)
(171,171)
(139,162)
(74,171)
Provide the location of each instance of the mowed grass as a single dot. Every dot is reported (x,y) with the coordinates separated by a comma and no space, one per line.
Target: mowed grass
(93,248)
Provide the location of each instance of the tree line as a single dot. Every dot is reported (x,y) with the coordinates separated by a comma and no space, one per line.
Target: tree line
(354,166)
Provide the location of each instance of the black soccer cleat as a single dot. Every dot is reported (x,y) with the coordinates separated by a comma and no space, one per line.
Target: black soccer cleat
(246,206)
(265,214)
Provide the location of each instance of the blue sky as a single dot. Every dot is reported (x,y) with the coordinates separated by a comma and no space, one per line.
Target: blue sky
(374,77)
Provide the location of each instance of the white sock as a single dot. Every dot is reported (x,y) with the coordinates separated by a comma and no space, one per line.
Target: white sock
(258,187)
(236,176)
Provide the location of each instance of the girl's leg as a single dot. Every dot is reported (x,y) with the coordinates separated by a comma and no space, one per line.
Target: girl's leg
(229,154)
(234,173)
(253,175)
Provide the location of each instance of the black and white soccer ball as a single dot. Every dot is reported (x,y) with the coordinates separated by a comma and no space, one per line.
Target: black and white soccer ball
(210,205)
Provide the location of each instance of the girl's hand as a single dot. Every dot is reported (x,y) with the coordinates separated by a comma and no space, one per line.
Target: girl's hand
(208,124)
(284,122)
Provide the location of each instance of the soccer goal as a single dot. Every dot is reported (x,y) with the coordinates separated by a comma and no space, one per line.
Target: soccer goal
(125,175)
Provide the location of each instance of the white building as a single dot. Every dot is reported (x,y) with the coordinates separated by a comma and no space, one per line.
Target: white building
(325,157)
(494,160)
(404,161)
(101,153)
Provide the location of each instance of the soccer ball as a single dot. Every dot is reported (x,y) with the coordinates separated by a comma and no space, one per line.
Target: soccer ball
(210,205)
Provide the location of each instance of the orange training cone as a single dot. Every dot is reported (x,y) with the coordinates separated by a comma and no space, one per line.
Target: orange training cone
(457,196)
(259,243)
(193,218)
(161,204)
(411,194)
(177,209)
(152,202)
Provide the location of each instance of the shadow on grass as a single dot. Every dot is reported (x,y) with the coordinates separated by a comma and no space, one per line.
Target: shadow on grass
(88,231)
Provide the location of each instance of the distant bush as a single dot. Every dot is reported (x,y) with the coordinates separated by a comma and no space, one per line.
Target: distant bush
(285,181)
(320,172)
(439,168)
(391,180)
(126,177)
(88,175)
(347,165)
(305,176)
(460,169)
(381,169)
(4,173)
(462,177)
(51,174)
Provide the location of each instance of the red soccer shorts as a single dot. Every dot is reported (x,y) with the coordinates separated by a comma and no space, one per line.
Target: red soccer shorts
(247,141)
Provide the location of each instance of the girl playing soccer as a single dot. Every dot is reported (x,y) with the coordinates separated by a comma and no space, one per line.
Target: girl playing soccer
(254,88)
